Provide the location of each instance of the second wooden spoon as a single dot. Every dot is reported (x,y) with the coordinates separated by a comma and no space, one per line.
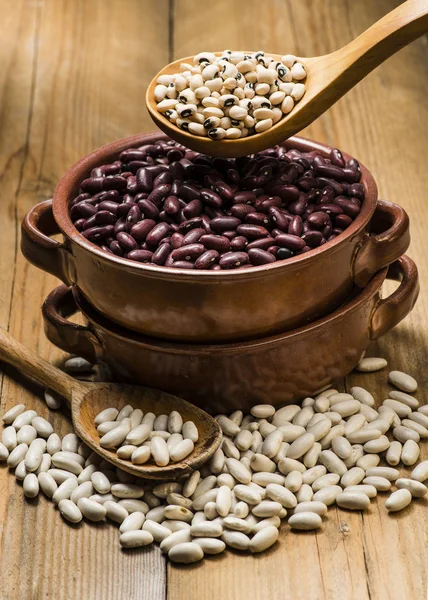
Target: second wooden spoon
(86,400)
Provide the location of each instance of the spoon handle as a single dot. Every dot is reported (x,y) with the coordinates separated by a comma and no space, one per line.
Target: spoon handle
(31,365)
(384,38)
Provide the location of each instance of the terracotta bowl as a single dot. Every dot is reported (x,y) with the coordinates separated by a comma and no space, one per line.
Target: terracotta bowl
(224,377)
(212,306)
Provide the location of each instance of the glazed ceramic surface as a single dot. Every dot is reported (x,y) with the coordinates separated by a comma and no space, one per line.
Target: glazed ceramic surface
(212,306)
(223,377)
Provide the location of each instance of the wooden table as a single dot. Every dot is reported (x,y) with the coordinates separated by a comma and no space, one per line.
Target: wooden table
(73,77)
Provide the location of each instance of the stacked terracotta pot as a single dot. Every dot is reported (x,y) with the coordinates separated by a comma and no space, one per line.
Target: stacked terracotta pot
(224,339)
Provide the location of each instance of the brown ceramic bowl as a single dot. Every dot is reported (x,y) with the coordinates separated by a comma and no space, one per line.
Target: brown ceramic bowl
(212,306)
(225,377)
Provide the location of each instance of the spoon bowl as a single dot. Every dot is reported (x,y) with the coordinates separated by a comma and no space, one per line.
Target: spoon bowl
(329,77)
(231,148)
(87,400)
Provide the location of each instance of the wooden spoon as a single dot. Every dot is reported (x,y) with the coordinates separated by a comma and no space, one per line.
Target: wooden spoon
(329,77)
(86,400)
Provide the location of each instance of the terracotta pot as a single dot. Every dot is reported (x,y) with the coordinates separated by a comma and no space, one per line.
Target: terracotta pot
(212,306)
(221,378)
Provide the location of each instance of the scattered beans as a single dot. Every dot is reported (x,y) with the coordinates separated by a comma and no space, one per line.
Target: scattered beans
(184,210)
(270,464)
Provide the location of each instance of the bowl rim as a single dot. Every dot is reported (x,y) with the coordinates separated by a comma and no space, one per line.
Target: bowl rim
(97,322)
(68,185)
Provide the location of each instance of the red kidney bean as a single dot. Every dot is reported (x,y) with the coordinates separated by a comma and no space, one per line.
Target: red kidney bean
(318,219)
(116,248)
(158,232)
(108,205)
(256,218)
(105,217)
(182,264)
(330,209)
(336,158)
(176,240)
(144,256)
(241,210)
(159,194)
(205,223)
(215,242)
(126,241)
(140,230)
(186,226)
(193,209)
(273,250)
(174,154)
(123,209)
(293,242)
(238,243)
(164,177)
(252,231)
(175,187)
(205,260)
(148,209)
(295,226)
(215,268)
(349,208)
(193,236)
(260,257)
(120,225)
(161,254)
(211,198)
(189,252)
(231,260)
(229,234)
(189,192)
(279,218)
(224,223)
(90,222)
(134,216)
(80,197)
(335,185)
(245,197)
(224,190)
(171,205)
(342,221)
(357,190)
(98,233)
(287,193)
(82,209)
(264,203)
(263,243)
(80,224)
(299,207)
(313,238)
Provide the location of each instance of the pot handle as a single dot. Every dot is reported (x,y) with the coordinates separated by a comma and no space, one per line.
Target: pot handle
(381,249)
(40,249)
(390,311)
(69,336)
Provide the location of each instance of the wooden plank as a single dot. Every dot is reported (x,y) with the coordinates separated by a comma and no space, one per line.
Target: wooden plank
(374,556)
(72,77)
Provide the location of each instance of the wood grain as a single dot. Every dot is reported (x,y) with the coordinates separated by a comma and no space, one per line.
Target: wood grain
(358,557)
(72,77)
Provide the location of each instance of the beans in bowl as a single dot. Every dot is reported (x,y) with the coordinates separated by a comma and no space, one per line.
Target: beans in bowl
(166,205)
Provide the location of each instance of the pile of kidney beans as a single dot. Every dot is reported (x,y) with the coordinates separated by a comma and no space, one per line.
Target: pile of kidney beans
(167,205)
